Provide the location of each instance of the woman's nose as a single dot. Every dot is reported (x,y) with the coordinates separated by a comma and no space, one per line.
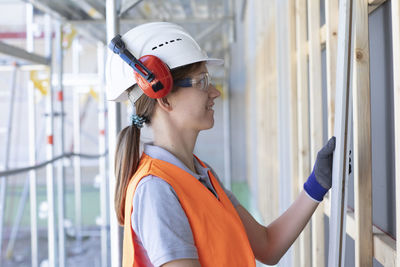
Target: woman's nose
(213,91)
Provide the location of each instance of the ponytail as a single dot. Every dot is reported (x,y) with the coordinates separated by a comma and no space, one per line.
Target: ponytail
(126,163)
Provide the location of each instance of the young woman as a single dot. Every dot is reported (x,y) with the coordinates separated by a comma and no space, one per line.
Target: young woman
(173,207)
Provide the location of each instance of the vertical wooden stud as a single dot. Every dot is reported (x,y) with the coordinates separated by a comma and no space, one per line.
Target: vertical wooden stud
(303,119)
(331,18)
(362,138)
(270,112)
(396,94)
(250,105)
(265,188)
(285,109)
(293,116)
(316,130)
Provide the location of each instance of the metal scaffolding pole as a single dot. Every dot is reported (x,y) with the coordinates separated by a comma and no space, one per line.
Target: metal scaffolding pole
(22,54)
(51,227)
(77,171)
(102,160)
(3,180)
(77,149)
(32,143)
(128,5)
(114,125)
(60,164)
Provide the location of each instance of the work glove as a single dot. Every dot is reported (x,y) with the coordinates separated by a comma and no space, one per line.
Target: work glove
(320,180)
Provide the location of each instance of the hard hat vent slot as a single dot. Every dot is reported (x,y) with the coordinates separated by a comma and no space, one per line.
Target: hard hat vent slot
(171,41)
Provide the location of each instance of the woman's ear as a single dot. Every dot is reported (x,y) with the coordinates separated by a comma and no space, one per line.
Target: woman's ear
(164,104)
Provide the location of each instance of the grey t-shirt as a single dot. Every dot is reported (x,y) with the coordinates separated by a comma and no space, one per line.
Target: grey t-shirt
(158,220)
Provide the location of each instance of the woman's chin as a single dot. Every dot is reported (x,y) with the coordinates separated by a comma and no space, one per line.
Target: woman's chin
(211,124)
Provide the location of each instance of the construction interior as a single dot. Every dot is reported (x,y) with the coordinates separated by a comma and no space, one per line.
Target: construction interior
(278,107)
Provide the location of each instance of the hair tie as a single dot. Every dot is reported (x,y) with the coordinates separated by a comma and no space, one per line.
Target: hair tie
(138,120)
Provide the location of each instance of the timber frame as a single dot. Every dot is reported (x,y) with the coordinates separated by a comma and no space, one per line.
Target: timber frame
(370,242)
(308,38)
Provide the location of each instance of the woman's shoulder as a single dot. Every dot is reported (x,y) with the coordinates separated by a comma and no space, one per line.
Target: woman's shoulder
(153,185)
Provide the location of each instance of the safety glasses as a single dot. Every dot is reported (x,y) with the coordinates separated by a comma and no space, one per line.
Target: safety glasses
(200,83)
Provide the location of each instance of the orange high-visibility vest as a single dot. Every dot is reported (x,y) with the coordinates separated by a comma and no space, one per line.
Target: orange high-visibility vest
(219,235)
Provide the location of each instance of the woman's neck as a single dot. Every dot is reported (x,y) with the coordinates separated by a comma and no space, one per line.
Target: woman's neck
(179,143)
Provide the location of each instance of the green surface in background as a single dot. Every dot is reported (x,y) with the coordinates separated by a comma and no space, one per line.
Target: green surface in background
(90,203)
(242,193)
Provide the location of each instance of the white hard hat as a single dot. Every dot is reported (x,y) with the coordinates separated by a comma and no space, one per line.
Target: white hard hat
(167,41)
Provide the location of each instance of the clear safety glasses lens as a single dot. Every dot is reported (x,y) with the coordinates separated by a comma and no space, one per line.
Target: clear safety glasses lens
(201,84)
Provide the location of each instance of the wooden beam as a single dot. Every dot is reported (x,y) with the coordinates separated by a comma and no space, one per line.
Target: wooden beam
(396,101)
(331,17)
(362,138)
(267,113)
(384,245)
(285,111)
(384,248)
(376,2)
(316,122)
(373,4)
(267,196)
(322,36)
(303,120)
(293,116)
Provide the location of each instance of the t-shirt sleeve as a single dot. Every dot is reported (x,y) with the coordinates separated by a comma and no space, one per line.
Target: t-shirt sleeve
(160,223)
(231,196)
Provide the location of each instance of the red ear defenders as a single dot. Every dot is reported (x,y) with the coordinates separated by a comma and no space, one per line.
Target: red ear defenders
(151,73)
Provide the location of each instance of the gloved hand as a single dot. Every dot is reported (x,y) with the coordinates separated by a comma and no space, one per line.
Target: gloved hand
(320,180)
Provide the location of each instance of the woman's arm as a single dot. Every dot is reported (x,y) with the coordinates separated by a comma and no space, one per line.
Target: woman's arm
(270,243)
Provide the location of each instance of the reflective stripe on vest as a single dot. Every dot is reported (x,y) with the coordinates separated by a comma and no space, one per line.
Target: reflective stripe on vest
(219,235)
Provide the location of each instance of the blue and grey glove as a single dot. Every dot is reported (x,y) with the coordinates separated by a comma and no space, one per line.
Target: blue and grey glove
(320,180)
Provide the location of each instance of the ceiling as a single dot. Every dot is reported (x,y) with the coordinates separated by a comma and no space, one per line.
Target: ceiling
(210,22)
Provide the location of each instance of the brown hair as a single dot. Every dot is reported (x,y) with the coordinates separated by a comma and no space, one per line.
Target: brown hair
(127,150)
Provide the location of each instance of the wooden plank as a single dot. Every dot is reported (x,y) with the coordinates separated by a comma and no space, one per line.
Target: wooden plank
(337,223)
(362,138)
(303,120)
(266,199)
(331,17)
(316,122)
(322,36)
(384,245)
(396,96)
(284,88)
(267,114)
(374,4)
(384,249)
(250,123)
(293,116)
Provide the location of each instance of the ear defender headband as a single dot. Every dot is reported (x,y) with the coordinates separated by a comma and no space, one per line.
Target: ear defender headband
(151,73)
